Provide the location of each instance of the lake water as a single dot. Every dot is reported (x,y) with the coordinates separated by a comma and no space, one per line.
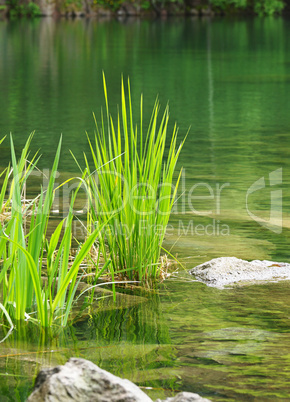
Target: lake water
(229,81)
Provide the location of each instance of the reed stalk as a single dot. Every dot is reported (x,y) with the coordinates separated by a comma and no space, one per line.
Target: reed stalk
(132,179)
(25,294)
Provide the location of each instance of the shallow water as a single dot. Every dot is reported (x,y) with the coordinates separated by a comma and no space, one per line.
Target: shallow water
(229,81)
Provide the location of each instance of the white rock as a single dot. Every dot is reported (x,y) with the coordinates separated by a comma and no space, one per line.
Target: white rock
(229,271)
(80,380)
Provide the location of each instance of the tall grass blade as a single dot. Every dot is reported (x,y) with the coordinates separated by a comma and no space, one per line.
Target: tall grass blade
(134,180)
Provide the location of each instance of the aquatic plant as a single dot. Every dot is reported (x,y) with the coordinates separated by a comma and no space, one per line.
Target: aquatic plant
(133,180)
(31,289)
(130,196)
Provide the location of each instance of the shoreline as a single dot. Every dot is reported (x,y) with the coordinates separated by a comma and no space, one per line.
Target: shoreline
(124,9)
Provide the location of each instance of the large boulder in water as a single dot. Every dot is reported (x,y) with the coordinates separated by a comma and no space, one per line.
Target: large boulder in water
(80,380)
(231,271)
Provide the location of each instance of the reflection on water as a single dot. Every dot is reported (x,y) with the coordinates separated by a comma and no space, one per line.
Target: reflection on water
(230,81)
(233,343)
(227,345)
(128,341)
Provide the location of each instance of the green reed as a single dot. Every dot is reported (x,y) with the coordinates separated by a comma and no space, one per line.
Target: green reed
(133,180)
(43,293)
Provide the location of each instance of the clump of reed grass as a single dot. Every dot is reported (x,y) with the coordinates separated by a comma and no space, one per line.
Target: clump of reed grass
(130,193)
(25,295)
(133,180)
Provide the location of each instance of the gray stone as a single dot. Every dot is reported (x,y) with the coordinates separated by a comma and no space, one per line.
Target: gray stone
(207,11)
(80,380)
(193,11)
(185,397)
(231,271)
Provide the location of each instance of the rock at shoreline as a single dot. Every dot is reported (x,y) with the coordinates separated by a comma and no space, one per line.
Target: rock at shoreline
(231,271)
(80,380)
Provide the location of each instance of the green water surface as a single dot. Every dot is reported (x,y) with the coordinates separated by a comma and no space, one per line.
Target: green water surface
(229,80)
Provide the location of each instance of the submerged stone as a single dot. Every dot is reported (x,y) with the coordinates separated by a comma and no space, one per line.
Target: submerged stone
(231,271)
